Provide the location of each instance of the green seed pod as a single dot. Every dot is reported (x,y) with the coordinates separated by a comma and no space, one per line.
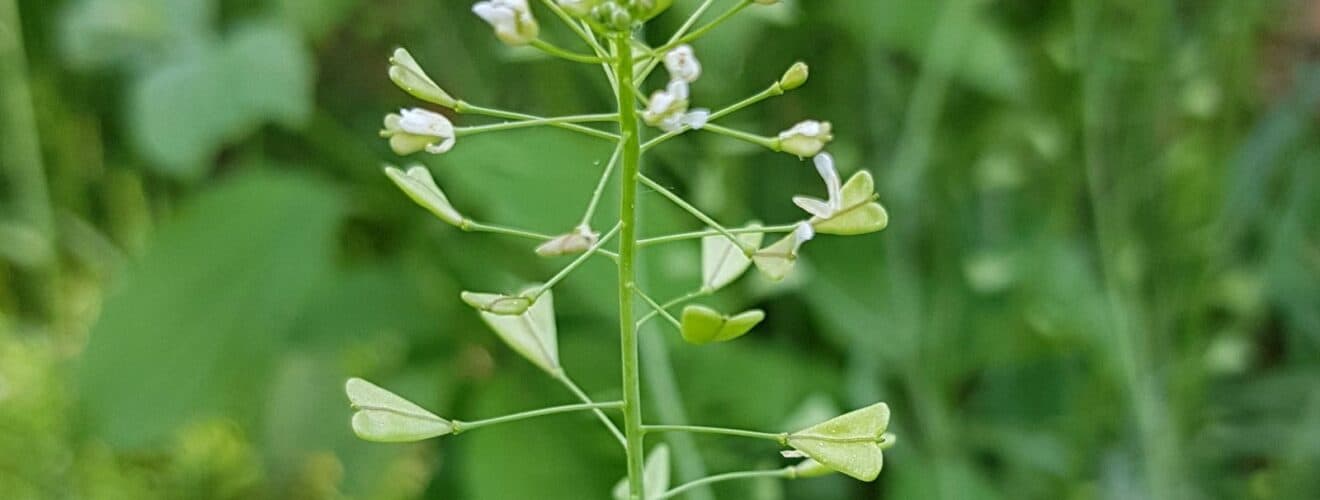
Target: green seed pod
(383,416)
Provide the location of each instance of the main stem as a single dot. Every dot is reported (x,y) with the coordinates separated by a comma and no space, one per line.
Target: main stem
(630,163)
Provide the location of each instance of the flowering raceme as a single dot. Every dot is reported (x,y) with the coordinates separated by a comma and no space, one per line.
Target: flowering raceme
(524,318)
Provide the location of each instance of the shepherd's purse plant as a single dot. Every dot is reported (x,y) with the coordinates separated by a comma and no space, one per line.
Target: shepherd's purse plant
(852,444)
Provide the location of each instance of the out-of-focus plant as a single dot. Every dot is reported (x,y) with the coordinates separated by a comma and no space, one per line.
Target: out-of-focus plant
(852,444)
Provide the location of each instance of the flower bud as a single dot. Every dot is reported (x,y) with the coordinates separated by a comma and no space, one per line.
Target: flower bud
(414,130)
(810,468)
(409,76)
(418,184)
(806,139)
(795,77)
(581,239)
(512,20)
(682,64)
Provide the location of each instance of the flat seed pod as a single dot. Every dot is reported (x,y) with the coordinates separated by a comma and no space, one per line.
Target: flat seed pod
(722,262)
(860,214)
(532,333)
(655,476)
(849,443)
(386,417)
(418,184)
(777,261)
(503,305)
(703,325)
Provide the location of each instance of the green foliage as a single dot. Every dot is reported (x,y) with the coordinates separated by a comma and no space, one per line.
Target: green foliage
(199,331)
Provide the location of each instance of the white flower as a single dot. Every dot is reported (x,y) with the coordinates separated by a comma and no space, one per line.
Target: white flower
(824,209)
(512,20)
(682,64)
(414,130)
(668,109)
(806,138)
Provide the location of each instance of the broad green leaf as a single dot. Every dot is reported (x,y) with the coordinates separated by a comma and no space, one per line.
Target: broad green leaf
(849,443)
(385,417)
(722,262)
(184,110)
(532,333)
(97,33)
(703,325)
(655,476)
(192,327)
(418,184)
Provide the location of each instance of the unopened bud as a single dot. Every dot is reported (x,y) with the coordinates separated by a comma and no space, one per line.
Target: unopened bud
(795,77)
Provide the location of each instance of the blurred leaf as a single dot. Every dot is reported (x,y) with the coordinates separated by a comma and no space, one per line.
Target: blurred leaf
(992,63)
(96,33)
(193,327)
(183,111)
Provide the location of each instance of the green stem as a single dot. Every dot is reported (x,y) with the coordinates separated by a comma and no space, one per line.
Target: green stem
(572,266)
(771,143)
(700,32)
(584,33)
(632,157)
(781,437)
(465,108)
(696,212)
(537,122)
(572,386)
(657,308)
(784,473)
(673,302)
(670,238)
(562,53)
(460,427)
(600,187)
(772,91)
(477,227)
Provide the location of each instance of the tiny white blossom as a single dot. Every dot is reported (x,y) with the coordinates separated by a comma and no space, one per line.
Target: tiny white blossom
(697,118)
(682,64)
(806,138)
(668,107)
(828,208)
(414,130)
(512,20)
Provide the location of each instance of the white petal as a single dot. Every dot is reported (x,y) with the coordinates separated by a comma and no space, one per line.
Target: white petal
(825,166)
(697,119)
(814,206)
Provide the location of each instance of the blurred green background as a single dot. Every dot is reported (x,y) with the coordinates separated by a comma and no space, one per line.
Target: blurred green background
(1102,280)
